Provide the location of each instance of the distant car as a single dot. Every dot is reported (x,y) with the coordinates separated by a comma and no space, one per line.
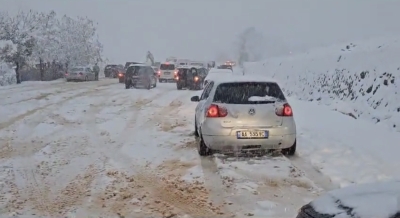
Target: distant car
(80,74)
(356,201)
(156,69)
(140,75)
(129,63)
(225,66)
(109,70)
(190,77)
(167,72)
(240,113)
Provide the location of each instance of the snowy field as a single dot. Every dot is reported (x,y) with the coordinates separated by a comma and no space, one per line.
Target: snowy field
(75,149)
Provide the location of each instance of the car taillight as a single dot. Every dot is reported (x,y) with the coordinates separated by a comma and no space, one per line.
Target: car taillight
(66,74)
(177,77)
(175,72)
(80,74)
(196,78)
(120,75)
(159,72)
(285,111)
(216,111)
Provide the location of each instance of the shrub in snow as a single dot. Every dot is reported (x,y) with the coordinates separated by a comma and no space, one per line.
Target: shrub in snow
(7,75)
(359,79)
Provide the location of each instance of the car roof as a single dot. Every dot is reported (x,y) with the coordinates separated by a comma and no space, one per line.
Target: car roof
(138,65)
(189,66)
(218,79)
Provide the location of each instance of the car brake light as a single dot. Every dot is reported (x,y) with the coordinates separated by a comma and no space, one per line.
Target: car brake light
(120,75)
(159,72)
(66,74)
(175,72)
(285,111)
(216,111)
(177,78)
(80,74)
(196,78)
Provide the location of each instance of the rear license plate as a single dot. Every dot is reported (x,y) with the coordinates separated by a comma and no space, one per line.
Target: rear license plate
(166,73)
(252,134)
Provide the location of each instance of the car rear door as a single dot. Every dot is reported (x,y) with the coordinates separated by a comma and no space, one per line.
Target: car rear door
(201,106)
(249,104)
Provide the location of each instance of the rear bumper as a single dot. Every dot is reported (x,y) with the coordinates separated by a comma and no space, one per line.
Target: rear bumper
(231,143)
(75,78)
(224,138)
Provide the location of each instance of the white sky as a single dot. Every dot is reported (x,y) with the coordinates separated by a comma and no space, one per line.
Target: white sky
(202,29)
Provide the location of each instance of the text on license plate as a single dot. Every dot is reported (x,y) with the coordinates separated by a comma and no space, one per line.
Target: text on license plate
(166,73)
(251,134)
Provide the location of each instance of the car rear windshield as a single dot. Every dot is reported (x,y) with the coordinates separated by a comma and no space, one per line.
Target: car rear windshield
(77,69)
(110,66)
(134,70)
(167,67)
(248,93)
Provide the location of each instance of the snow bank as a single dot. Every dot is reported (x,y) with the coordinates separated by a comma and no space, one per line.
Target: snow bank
(359,79)
(7,75)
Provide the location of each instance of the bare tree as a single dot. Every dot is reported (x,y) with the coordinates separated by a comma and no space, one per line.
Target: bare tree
(250,45)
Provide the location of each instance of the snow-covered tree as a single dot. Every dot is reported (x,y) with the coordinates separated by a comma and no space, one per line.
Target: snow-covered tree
(46,40)
(17,37)
(79,43)
(250,45)
(31,37)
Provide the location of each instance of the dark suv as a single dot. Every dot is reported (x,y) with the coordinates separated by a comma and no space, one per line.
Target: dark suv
(140,75)
(190,77)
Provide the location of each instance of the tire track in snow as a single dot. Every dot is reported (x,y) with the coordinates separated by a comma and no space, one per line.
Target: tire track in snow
(42,184)
(13,120)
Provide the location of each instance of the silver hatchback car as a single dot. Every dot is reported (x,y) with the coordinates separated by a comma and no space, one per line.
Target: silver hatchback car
(238,114)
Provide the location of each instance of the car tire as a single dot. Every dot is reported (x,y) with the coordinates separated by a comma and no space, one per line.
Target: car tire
(149,86)
(178,86)
(290,151)
(127,86)
(307,211)
(155,83)
(202,147)
(196,133)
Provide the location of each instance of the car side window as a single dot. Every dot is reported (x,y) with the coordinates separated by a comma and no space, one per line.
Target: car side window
(207,91)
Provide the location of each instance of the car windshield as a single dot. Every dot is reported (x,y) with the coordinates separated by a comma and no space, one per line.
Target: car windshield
(167,67)
(248,93)
(76,69)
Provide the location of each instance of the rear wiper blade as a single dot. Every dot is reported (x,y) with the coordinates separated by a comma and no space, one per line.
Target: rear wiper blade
(261,102)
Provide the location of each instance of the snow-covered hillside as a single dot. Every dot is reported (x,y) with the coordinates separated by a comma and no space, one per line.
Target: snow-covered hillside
(358,78)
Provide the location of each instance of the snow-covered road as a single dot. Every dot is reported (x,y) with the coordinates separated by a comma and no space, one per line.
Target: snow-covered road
(75,149)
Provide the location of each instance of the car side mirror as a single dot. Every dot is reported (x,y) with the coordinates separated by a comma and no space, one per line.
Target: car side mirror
(195,99)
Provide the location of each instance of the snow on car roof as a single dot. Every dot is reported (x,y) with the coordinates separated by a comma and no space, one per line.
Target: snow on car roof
(367,200)
(239,78)
(139,65)
(189,66)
